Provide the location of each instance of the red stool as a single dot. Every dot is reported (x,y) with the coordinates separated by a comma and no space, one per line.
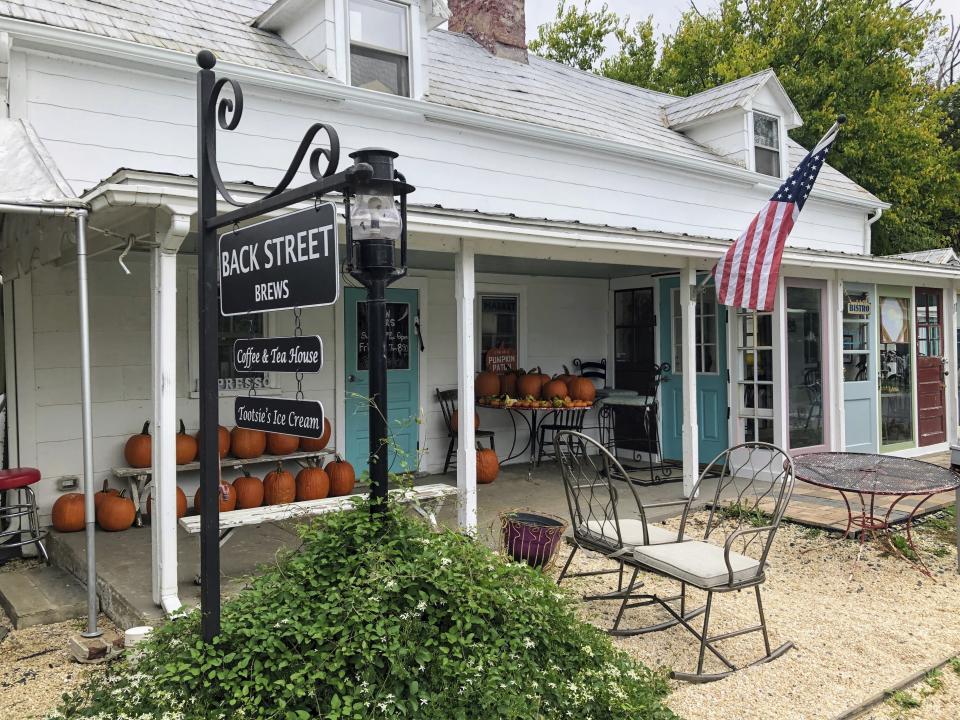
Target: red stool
(19,480)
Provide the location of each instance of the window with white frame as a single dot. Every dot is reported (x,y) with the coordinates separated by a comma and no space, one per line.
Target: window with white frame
(379,47)
(766,144)
(755,376)
(499,331)
(706,331)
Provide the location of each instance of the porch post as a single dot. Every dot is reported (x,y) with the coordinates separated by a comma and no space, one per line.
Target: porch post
(688,314)
(950,359)
(832,399)
(163,519)
(466,439)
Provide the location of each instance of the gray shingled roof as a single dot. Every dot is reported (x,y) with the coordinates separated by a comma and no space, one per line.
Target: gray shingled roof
(462,74)
(940,256)
(716,100)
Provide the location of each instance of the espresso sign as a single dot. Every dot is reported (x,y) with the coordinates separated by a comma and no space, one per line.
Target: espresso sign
(287,262)
(303,418)
(302,354)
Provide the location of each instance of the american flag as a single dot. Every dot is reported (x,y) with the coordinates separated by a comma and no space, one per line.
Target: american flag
(747,275)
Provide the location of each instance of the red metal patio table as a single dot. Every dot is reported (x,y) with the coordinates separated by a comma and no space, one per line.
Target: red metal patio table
(867,476)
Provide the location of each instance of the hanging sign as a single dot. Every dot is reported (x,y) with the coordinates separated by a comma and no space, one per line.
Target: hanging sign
(501,359)
(303,418)
(858,307)
(286,262)
(303,354)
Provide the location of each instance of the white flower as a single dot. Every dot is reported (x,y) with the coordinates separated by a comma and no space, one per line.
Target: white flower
(587,650)
(528,643)
(423,701)
(421,606)
(445,561)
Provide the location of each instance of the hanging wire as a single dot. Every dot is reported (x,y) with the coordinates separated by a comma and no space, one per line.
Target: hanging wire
(298,332)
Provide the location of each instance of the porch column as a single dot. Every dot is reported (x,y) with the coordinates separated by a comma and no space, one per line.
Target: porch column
(163,335)
(466,439)
(950,359)
(688,315)
(833,382)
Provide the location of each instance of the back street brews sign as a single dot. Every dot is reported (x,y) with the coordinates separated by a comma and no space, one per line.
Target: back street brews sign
(280,415)
(286,262)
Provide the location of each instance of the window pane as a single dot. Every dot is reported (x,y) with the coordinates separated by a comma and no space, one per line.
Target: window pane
(765,330)
(625,308)
(767,161)
(383,24)
(398,336)
(626,345)
(896,374)
(378,70)
(230,329)
(766,131)
(804,367)
(498,329)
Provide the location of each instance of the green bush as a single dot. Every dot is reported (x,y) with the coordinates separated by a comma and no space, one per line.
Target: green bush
(382,619)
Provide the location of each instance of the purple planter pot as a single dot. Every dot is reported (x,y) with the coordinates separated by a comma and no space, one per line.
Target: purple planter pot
(531,538)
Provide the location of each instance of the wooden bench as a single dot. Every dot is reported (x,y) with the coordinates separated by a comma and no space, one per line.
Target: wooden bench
(139,479)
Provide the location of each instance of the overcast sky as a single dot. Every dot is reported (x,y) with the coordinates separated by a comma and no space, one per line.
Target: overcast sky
(665,12)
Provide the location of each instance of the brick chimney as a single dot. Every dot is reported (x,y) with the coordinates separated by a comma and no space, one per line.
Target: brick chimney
(498,25)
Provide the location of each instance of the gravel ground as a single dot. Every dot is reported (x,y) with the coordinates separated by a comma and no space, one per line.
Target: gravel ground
(859,626)
(937,698)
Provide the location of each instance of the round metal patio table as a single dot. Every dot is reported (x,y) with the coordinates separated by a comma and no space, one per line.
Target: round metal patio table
(866,476)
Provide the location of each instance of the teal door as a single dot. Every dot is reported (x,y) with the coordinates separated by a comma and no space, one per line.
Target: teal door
(711,358)
(859,368)
(403,379)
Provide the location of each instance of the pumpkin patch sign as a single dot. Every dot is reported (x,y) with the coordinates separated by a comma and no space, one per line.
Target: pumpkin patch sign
(500,359)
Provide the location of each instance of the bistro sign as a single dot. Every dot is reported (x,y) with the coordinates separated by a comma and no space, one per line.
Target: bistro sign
(283,263)
(298,354)
(303,418)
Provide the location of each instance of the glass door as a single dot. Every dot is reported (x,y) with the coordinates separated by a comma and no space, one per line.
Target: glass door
(806,420)
(859,368)
(895,369)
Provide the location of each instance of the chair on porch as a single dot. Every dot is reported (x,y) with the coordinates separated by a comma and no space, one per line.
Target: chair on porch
(448,406)
(603,524)
(591,368)
(562,420)
(754,482)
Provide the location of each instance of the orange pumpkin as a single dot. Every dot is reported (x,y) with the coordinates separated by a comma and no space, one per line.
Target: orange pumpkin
(317,444)
(186,446)
(68,514)
(280,444)
(181,504)
(223,441)
(116,513)
(228,498)
(455,421)
(488,466)
(342,476)
(103,494)
(279,487)
(554,389)
(530,384)
(249,491)
(582,389)
(312,484)
(138,452)
(508,384)
(486,384)
(246,444)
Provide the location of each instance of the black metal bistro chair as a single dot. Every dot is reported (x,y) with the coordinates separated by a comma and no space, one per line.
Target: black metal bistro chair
(754,484)
(591,368)
(561,420)
(448,406)
(602,523)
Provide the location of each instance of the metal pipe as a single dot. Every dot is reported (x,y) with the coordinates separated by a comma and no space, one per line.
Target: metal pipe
(376,331)
(87,421)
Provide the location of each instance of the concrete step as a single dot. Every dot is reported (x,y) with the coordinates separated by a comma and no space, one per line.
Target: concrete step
(41,595)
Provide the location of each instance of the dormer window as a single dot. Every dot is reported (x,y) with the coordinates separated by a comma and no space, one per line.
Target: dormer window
(379,54)
(766,144)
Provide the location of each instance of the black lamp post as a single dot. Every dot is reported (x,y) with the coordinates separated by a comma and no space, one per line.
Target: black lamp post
(374,225)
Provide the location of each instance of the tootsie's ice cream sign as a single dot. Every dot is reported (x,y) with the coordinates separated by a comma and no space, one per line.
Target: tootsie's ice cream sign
(287,262)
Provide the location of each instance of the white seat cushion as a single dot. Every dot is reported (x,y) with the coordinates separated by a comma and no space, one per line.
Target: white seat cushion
(631,532)
(696,562)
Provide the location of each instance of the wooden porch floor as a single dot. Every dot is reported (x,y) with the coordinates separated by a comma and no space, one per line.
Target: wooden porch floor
(822,508)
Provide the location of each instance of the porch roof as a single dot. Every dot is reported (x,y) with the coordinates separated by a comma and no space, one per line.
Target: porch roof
(126,195)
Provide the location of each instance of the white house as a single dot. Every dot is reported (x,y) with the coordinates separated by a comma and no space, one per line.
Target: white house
(564,213)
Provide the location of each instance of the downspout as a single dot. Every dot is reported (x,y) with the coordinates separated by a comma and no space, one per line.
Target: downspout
(867,228)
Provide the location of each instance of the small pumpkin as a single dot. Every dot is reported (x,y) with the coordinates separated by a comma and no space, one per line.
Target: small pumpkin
(68,514)
(317,444)
(488,466)
(116,513)
(181,504)
(312,484)
(554,389)
(138,452)
(530,385)
(455,420)
(249,491)
(246,444)
(223,441)
(583,390)
(342,476)
(508,384)
(228,498)
(486,384)
(104,492)
(280,444)
(279,487)
(186,446)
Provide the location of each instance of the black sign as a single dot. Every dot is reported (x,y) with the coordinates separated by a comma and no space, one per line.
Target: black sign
(280,415)
(398,336)
(278,354)
(287,262)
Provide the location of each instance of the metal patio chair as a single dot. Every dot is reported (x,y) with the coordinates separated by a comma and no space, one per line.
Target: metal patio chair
(598,524)
(448,406)
(754,484)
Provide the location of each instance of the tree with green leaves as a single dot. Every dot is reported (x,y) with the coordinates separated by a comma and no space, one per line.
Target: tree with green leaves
(864,58)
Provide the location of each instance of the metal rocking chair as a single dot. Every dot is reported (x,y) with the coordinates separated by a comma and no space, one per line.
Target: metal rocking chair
(753,488)
(588,470)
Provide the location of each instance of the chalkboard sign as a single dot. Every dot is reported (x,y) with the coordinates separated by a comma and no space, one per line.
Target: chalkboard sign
(398,337)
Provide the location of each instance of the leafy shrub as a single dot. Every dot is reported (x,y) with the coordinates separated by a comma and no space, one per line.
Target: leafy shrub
(382,618)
